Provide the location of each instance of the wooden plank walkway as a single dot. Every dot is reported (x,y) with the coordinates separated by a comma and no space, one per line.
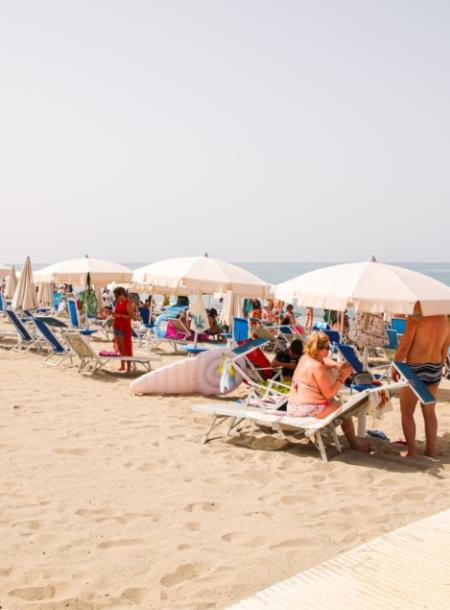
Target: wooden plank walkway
(408,568)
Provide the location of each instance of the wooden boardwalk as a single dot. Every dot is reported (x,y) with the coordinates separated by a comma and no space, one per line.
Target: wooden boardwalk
(406,569)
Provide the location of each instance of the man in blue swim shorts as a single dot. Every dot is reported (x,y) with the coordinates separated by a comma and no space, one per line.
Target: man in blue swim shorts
(424,348)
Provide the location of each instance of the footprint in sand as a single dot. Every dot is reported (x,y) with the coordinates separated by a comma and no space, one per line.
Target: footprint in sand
(76,451)
(293,543)
(208,507)
(34,593)
(194,527)
(91,512)
(147,467)
(135,595)
(186,571)
(291,500)
(110,543)
(183,547)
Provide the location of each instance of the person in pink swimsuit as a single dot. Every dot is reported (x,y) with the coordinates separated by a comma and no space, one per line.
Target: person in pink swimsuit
(316,381)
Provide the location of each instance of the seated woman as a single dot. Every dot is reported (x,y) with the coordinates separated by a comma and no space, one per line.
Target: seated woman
(268,315)
(289,317)
(314,384)
(214,327)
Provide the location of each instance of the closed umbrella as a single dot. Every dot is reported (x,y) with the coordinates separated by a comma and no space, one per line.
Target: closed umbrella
(75,271)
(11,283)
(231,308)
(25,294)
(45,294)
(4,271)
(371,287)
(191,275)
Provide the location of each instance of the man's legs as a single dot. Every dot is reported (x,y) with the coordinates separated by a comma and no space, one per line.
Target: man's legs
(431,425)
(408,401)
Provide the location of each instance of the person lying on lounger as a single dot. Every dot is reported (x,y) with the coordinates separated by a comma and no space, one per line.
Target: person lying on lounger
(314,384)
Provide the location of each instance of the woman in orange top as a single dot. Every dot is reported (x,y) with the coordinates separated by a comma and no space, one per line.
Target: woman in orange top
(314,384)
(123,314)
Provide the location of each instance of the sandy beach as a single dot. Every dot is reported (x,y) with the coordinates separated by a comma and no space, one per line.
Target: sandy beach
(111,501)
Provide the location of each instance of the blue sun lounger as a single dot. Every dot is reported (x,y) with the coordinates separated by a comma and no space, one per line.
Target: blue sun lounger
(56,347)
(75,320)
(25,339)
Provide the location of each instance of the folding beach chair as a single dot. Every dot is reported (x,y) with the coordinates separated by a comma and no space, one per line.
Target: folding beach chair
(316,430)
(26,340)
(91,361)
(262,388)
(399,325)
(57,349)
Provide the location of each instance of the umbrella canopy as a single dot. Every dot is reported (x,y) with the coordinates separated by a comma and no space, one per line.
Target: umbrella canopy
(11,283)
(4,271)
(371,287)
(191,275)
(25,294)
(45,294)
(74,271)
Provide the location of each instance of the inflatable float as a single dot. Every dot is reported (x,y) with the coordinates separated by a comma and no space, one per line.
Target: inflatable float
(199,375)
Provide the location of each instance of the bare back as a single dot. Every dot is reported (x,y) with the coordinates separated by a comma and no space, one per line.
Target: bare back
(426,339)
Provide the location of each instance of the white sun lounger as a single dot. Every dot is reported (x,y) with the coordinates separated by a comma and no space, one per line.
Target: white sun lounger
(404,569)
(311,427)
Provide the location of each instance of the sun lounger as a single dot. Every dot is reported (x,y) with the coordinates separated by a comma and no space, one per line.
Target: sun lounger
(91,361)
(56,348)
(310,427)
(75,319)
(26,340)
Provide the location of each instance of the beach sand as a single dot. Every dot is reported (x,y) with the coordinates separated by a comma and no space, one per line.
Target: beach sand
(111,501)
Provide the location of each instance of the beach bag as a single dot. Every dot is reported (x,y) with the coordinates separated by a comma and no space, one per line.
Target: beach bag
(368,330)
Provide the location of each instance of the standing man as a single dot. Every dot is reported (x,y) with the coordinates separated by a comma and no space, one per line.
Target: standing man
(424,348)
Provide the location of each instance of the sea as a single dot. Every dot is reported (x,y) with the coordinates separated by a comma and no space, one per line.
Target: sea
(274,273)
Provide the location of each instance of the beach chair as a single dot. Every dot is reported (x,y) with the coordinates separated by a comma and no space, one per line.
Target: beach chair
(91,361)
(26,340)
(316,430)
(399,325)
(334,338)
(240,329)
(75,319)
(56,348)
(263,389)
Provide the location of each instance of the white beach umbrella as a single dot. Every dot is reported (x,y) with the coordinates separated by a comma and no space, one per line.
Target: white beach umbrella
(191,275)
(231,308)
(74,271)
(11,283)
(25,294)
(371,287)
(45,294)
(4,271)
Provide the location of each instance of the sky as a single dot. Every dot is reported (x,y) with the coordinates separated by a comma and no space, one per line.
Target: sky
(275,131)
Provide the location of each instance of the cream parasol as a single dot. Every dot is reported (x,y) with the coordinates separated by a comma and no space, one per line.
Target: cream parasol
(11,283)
(25,293)
(75,271)
(192,275)
(45,294)
(371,287)
(4,271)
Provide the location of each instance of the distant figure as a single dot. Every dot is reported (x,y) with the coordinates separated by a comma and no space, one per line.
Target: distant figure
(288,359)
(123,314)
(268,314)
(314,385)
(214,327)
(424,346)
(289,318)
(309,318)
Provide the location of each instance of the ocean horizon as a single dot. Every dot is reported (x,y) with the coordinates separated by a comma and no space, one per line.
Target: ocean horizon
(274,273)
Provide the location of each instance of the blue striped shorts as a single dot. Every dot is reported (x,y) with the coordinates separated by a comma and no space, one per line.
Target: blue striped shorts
(428,372)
